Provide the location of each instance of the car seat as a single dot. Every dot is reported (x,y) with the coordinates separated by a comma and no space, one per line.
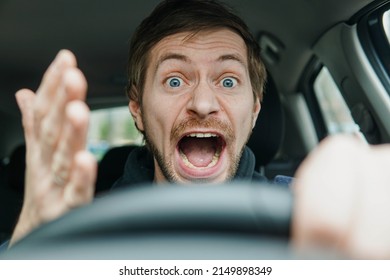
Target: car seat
(111,167)
(267,134)
(11,190)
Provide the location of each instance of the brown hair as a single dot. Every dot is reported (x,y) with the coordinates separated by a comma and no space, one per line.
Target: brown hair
(176,16)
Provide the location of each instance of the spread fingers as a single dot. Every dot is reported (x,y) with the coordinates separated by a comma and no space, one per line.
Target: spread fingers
(73,139)
(73,86)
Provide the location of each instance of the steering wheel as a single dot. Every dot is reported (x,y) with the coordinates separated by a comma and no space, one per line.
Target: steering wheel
(230,221)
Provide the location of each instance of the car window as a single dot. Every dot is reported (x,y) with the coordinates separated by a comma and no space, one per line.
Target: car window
(386,24)
(335,112)
(383,41)
(111,127)
(374,35)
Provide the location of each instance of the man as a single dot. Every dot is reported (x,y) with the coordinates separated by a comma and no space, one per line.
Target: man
(198,99)
(195,85)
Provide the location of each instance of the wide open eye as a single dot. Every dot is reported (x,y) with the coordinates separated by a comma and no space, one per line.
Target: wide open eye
(229,82)
(174,82)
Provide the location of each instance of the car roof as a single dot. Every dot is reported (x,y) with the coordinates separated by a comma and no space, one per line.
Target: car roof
(98,32)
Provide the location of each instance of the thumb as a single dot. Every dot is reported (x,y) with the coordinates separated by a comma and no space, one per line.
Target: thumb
(25,99)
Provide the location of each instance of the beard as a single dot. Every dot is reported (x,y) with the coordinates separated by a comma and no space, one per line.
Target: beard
(166,166)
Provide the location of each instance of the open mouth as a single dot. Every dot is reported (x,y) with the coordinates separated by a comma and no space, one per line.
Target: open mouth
(201,150)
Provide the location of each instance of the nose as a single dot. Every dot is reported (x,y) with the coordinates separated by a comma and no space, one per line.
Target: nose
(203,101)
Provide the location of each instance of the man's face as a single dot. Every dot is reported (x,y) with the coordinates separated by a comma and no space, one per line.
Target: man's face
(198,108)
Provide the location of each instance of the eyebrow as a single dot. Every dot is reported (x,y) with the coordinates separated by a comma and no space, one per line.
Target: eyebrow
(176,56)
(173,56)
(233,57)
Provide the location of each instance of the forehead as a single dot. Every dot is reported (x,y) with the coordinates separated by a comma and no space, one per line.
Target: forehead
(210,44)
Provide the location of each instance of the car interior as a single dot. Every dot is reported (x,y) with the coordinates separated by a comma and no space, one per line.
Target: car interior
(313,50)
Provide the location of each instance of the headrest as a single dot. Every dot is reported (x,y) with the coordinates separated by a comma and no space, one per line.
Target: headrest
(268,131)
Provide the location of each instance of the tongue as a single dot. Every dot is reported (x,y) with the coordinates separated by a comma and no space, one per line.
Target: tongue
(199,151)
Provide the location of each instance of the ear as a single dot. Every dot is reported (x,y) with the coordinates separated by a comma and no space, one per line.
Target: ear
(256,111)
(135,110)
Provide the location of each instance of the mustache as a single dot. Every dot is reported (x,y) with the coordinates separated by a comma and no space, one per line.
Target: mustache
(222,127)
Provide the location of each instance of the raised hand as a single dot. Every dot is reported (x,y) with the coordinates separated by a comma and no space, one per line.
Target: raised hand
(60,173)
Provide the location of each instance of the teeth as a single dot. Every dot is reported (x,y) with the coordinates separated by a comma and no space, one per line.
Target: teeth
(202,135)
